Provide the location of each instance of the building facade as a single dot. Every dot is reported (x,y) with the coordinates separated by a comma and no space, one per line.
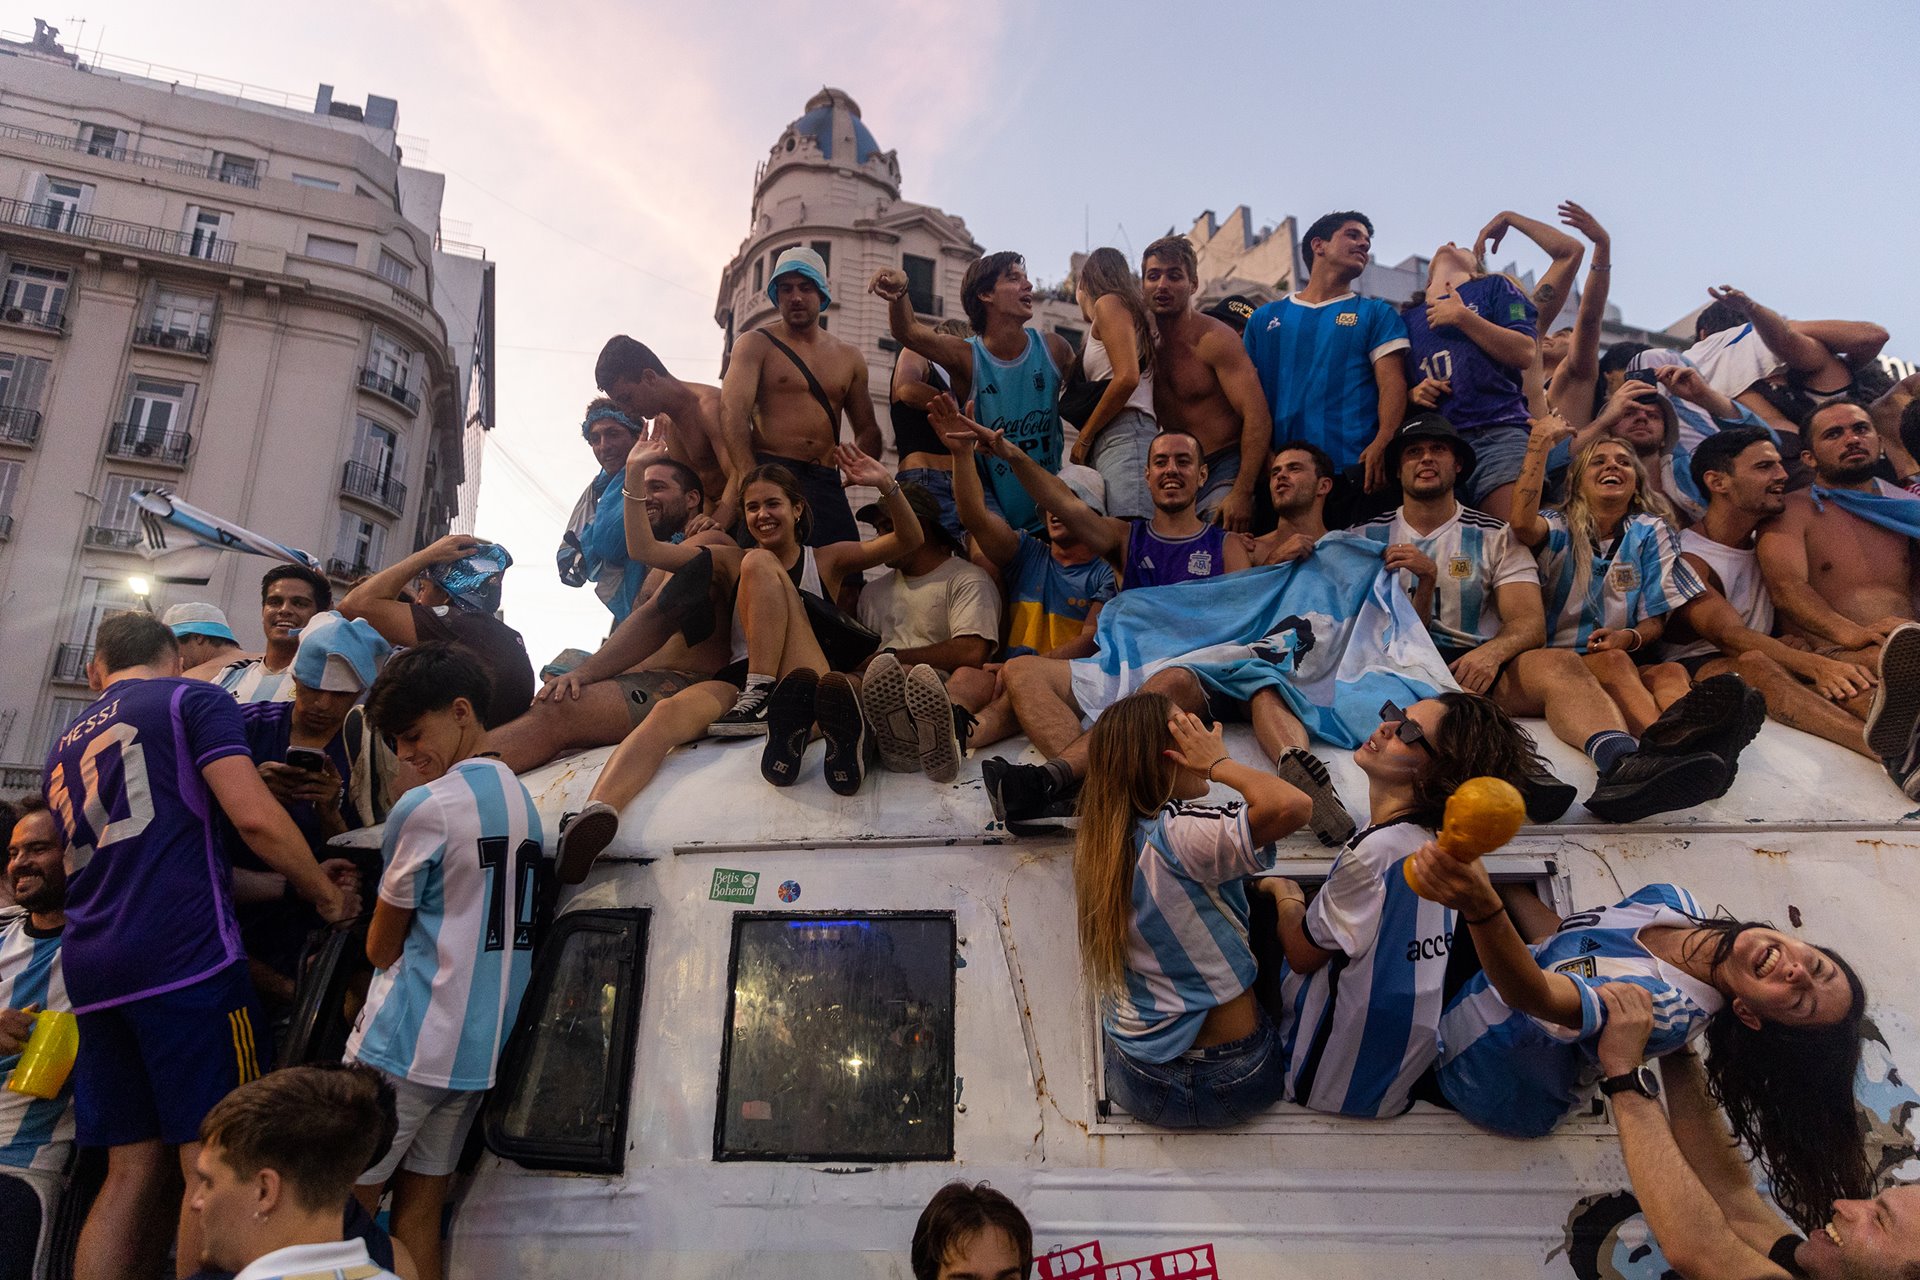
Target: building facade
(244,304)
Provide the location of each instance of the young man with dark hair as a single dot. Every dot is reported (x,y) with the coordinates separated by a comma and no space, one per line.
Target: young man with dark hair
(452,932)
(207,644)
(1329,361)
(685,415)
(1013,369)
(290,594)
(971,1233)
(1781,369)
(1204,384)
(168,1020)
(1298,481)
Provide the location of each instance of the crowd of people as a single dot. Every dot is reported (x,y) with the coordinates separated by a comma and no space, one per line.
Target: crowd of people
(1652,550)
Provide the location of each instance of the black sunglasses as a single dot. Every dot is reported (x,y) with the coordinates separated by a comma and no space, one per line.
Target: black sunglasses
(1406,728)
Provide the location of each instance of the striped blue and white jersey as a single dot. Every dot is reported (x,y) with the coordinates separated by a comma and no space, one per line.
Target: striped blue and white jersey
(1514,1074)
(1475,555)
(1636,576)
(250,681)
(35,1133)
(1358,1031)
(1187,949)
(462,853)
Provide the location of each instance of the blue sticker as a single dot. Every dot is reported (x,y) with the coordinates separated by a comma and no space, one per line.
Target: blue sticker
(789,890)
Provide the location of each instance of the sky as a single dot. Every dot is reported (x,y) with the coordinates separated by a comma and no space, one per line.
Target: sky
(603,153)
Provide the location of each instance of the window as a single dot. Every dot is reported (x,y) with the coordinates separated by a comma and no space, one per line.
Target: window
(360,543)
(207,231)
(65,712)
(759,275)
(1074,337)
(839,1038)
(919,272)
(22,381)
(117,509)
(561,1102)
(388,358)
(318,184)
(825,249)
(186,314)
(62,203)
(394,271)
(241,171)
(9,485)
(377,448)
(155,408)
(34,292)
(344,252)
(103,140)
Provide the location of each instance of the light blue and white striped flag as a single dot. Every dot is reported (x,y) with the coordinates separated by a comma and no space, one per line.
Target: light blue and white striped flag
(1333,633)
(161,513)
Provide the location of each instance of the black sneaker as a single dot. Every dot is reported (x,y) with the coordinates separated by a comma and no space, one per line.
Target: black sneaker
(936,742)
(1721,714)
(1896,699)
(582,836)
(1643,783)
(836,706)
(789,726)
(883,696)
(1546,796)
(748,716)
(1904,769)
(1024,798)
(1330,822)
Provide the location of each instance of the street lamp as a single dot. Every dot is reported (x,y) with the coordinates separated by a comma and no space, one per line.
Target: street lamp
(141,587)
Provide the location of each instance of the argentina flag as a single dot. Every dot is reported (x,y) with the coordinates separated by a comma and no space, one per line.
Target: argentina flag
(1333,633)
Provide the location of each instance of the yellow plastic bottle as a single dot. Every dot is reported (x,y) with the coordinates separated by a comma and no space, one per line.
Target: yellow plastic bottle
(48,1058)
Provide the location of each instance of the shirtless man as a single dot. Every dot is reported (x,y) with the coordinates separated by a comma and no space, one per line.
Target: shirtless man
(686,418)
(1842,571)
(1298,482)
(794,417)
(1204,384)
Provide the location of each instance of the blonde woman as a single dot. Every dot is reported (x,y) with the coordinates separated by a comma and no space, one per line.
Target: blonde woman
(1162,904)
(1117,362)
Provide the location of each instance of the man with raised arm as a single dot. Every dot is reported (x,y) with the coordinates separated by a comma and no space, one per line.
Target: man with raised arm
(1748,351)
(1204,384)
(1013,369)
(686,417)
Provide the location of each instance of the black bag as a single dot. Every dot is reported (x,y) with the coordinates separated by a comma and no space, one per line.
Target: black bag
(1078,401)
(844,639)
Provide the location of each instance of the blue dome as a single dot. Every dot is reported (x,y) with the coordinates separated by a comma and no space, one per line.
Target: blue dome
(818,125)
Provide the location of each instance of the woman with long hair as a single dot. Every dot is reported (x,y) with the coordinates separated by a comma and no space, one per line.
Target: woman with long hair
(1358,1034)
(777,683)
(1781,1017)
(1117,361)
(1159,887)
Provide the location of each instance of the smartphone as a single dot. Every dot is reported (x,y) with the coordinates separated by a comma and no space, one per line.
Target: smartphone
(1644,375)
(307,758)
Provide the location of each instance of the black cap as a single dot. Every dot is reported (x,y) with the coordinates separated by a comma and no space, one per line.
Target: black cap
(1235,310)
(925,506)
(1428,426)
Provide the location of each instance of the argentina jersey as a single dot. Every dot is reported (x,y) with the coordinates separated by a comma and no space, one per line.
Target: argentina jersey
(1358,1031)
(1643,578)
(462,854)
(1315,361)
(1517,1075)
(1474,555)
(35,1133)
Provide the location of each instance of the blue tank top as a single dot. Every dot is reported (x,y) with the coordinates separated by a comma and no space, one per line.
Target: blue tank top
(1153,561)
(1023,400)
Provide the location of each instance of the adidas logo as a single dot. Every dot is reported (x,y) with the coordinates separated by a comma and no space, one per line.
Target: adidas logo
(1588,946)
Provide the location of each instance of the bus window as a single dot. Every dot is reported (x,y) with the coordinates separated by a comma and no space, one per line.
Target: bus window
(561,1099)
(839,1038)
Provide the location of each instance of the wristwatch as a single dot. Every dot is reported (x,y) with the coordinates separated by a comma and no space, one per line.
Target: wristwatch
(1640,1080)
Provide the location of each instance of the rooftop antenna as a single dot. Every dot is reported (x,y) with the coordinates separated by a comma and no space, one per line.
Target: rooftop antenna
(79,26)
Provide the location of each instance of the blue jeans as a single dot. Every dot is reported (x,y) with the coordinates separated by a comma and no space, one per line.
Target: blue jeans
(1212,1088)
(940,484)
(1223,469)
(1498,452)
(1119,454)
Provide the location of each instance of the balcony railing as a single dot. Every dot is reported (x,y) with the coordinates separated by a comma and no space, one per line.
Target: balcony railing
(52,320)
(129,235)
(127,155)
(381,385)
(358,480)
(6,528)
(163,448)
(162,339)
(347,570)
(15,778)
(19,426)
(102,538)
(70,663)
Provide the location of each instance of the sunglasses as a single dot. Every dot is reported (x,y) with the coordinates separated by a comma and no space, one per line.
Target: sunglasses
(1406,728)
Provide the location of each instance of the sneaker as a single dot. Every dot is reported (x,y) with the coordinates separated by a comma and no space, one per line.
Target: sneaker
(1547,798)
(936,742)
(748,716)
(883,696)
(1896,699)
(789,726)
(1330,822)
(1905,769)
(1721,715)
(582,837)
(836,707)
(1643,783)
(1023,797)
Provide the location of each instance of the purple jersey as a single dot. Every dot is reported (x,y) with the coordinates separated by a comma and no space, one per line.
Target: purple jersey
(1485,392)
(149,902)
(1154,561)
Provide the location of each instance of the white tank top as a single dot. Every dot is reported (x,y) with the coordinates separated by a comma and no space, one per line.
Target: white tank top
(808,581)
(1740,581)
(1097,365)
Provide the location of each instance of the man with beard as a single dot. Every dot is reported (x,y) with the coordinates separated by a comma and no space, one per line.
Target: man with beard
(1839,562)
(1298,483)
(1664,421)
(594,548)
(685,416)
(1204,384)
(36,1134)
(789,383)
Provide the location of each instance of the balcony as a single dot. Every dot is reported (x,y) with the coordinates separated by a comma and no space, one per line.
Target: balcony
(347,570)
(70,663)
(101,538)
(161,339)
(136,443)
(19,426)
(128,235)
(370,484)
(380,385)
(52,320)
(6,528)
(126,155)
(15,778)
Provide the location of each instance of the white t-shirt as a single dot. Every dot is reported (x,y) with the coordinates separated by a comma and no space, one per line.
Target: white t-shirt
(1740,582)
(341,1260)
(1476,554)
(1733,359)
(956,599)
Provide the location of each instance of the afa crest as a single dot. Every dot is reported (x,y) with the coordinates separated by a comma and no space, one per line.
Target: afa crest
(1347,319)
(1459,568)
(1623,577)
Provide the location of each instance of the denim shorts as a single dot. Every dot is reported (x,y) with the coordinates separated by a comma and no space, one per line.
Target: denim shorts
(1498,451)
(1119,454)
(1212,1088)
(1223,469)
(940,484)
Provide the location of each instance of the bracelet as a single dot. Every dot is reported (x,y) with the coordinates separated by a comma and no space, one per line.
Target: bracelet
(630,495)
(1215,765)
(1637,640)
(1497,911)
(889,493)
(1596,266)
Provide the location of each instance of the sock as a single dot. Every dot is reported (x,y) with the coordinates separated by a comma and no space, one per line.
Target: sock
(1609,745)
(1059,776)
(757,682)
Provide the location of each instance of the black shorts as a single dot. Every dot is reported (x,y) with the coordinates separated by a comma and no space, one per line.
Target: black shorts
(1692,665)
(1451,656)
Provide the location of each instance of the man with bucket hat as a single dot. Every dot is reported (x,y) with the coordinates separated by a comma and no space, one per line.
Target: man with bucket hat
(207,643)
